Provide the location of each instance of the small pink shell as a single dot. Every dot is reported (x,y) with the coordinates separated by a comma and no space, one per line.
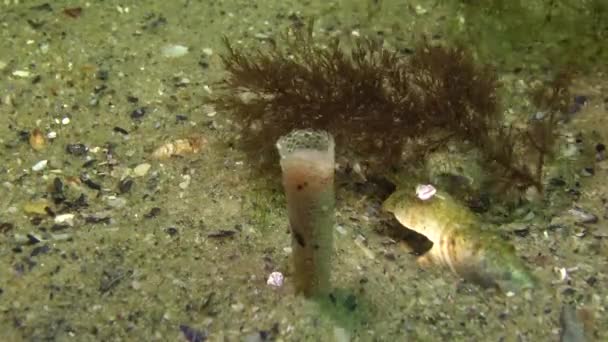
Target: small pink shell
(425,191)
(275,279)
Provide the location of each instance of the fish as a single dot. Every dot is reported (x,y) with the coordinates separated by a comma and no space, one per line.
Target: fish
(459,241)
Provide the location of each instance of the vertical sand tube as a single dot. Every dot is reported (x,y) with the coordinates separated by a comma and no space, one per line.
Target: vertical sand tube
(307,162)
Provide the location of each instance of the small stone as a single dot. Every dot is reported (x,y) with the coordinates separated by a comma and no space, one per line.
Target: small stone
(76,149)
(141,169)
(125,185)
(138,113)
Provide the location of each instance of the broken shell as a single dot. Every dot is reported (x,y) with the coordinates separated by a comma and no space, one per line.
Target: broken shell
(37,140)
(425,191)
(180,147)
(275,279)
(39,166)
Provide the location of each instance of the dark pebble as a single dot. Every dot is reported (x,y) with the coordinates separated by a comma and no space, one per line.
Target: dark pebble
(591,281)
(138,113)
(125,185)
(57,185)
(121,130)
(89,163)
(59,227)
(600,150)
(172,231)
(132,99)
(88,182)
(49,211)
(40,250)
(522,232)
(76,149)
(580,100)
(36,220)
(181,118)
(569,291)
(350,303)
(6,227)
(97,219)
(221,233)
(153,212)
(192,335)
(32,240)
(79,203)
(557,182)
(103,75)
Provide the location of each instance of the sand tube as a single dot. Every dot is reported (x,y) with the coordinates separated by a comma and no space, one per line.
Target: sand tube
(307,163)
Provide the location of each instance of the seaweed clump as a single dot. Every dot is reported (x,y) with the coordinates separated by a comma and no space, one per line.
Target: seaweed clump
(374,101)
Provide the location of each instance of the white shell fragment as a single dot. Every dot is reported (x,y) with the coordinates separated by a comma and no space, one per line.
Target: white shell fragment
(39,166)
(425,191)
(65,219)
(275,279)
(174,51)
(141,170)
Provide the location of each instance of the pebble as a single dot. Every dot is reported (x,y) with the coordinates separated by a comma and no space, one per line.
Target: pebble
(76,149)
(138,113)
(141,170)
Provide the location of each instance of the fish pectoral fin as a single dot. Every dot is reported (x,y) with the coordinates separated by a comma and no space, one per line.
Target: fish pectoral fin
(426,259)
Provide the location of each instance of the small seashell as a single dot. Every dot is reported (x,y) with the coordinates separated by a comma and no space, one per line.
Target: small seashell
(582,216)
(275,279)
(37,140)
(425,191)
(180,147)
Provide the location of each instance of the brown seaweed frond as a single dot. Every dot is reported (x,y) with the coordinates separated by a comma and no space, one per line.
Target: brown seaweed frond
(370,98)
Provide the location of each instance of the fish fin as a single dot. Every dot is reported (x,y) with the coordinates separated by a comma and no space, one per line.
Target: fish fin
(426,259)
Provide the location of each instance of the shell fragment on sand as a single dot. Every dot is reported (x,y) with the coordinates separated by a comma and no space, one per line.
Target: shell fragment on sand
(180,147)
